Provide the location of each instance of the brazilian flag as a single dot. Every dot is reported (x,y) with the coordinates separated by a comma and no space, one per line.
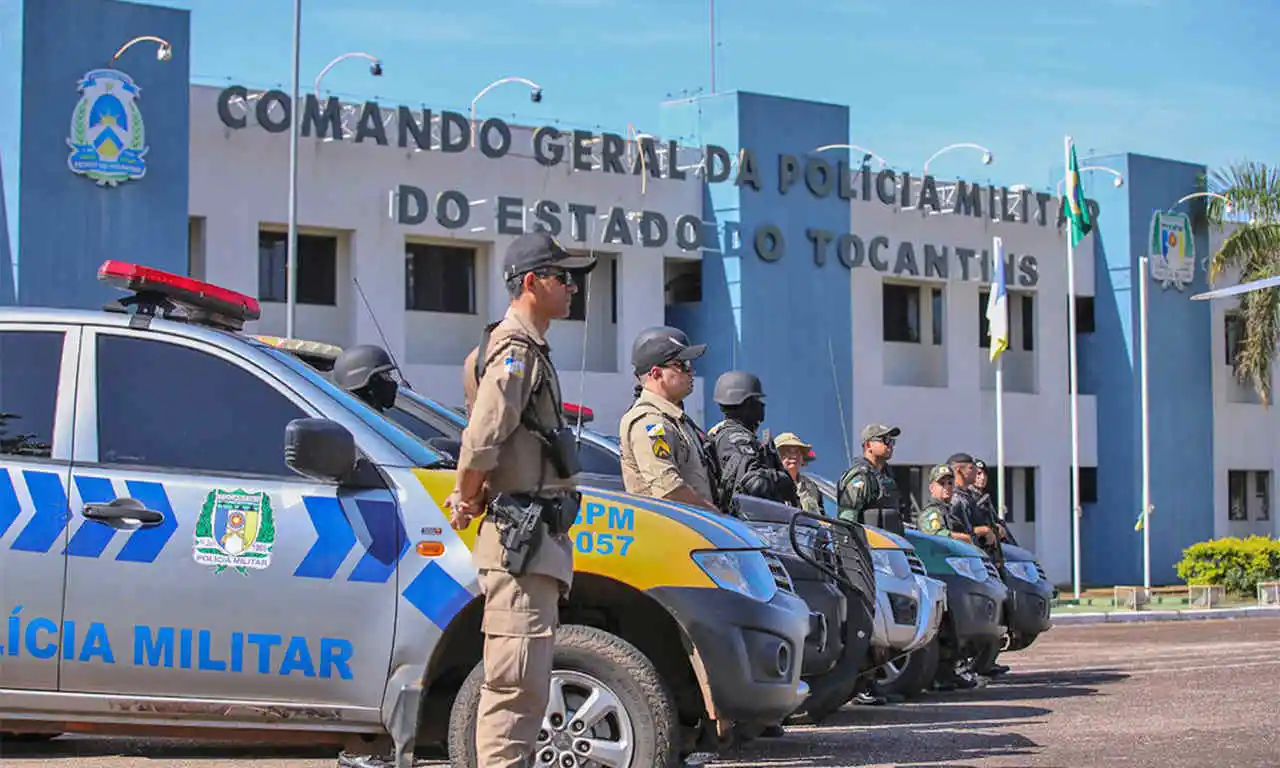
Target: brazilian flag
(1077,211)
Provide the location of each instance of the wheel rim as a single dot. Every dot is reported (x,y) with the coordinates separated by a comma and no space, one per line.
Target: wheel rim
(892,669)
(586,725)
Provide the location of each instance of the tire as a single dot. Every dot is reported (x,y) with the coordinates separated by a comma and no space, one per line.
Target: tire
(916,674)
(588,659)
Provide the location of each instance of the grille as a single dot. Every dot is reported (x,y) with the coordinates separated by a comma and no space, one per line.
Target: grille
(1040,570)
(780,575)
(992,570)
(903,607)
(917,565)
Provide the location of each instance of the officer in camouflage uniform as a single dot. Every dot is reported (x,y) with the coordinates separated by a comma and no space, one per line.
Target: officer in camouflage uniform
(748,467)
(936,516)
(795,453)
(867,492)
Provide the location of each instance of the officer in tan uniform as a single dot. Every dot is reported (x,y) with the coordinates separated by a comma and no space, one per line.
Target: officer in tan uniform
(517,468)
(663,451)
(795,453)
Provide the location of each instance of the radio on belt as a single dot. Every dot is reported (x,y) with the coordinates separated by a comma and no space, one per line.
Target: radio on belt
(194,300)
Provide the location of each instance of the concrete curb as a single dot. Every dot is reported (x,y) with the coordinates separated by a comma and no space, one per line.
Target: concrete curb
(1131,617)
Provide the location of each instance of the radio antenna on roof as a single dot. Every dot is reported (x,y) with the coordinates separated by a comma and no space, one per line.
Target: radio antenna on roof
(383,336)
(586,327)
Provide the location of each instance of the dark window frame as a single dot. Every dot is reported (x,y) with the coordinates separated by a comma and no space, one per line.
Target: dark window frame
(900,318)
(24,443)
(317,268)
(441,266)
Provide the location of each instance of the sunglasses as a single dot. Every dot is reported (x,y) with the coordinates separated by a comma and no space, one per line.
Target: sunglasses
(564,276)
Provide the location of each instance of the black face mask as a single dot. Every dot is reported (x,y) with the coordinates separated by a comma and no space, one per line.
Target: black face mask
(750,413)
(380,392)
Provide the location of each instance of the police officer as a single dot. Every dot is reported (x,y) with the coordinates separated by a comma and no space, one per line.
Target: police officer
(517,459)
(795,453)
(365,371)
(986,504)
(867,492)
(935,517)
(749,467)
(964,503)
(662,449)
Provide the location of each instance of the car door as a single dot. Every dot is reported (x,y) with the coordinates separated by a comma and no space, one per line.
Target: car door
(37,376)
(201,566)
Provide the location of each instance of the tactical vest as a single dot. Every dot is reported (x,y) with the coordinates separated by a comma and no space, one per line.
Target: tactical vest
(885,509)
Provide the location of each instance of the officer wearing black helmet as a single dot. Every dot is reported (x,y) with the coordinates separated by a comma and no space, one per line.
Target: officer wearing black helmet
(749,466)
(365,371)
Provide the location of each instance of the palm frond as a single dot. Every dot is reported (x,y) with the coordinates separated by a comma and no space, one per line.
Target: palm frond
(1251,248)
(1254,190)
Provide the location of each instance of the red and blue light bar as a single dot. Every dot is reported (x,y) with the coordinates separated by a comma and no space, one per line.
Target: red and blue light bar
(573,411)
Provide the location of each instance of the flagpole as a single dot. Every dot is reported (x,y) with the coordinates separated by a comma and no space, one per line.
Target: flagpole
(1075,414)
(1146,433)
(998,249)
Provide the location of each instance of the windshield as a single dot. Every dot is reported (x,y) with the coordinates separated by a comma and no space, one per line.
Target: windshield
(418,453)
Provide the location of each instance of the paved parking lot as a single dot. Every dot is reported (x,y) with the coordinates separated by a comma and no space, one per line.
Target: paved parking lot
(1170,694)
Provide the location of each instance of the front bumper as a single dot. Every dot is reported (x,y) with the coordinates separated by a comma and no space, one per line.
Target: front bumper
(898,611)
(751,651)
(977,607)
(1027,607)
(934,604)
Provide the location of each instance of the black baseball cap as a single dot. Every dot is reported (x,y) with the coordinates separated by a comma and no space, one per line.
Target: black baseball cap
(662,345)
(537,250)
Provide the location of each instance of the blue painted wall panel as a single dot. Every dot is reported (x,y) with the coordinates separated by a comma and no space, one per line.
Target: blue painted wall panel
(10,125)
(69,225)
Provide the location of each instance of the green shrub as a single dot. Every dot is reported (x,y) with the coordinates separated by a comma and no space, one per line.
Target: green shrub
(1233,563)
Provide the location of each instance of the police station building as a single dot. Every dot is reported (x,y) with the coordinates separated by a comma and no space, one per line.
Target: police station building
(855,290)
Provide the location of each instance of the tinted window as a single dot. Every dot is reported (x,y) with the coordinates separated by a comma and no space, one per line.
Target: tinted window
(414,425)
(165,405)
(598,461)
(29,365)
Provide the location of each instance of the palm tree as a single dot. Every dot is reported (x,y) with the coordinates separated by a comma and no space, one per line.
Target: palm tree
(1254,248)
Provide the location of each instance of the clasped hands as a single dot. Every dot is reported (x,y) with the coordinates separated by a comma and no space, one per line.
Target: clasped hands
(463,511)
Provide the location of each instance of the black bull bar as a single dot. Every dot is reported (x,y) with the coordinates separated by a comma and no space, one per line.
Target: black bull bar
(837,548)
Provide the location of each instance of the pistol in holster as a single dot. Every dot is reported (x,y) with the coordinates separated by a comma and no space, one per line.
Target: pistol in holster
(519,515)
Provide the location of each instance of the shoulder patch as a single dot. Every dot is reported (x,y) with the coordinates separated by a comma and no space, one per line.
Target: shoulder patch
(658,440)
(857,482)
(932,522)
(513,365)
(655,430)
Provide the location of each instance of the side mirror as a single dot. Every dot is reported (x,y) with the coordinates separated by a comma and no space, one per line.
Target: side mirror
(320,449)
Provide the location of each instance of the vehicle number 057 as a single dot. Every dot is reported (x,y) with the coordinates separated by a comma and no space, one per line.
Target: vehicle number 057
(590,542)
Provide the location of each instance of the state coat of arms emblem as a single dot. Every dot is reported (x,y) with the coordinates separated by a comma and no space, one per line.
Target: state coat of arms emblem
(108,135)
(236,529)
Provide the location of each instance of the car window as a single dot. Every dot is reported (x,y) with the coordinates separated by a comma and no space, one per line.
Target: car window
(597,460)
(165,405)
(30,362)
(417,427)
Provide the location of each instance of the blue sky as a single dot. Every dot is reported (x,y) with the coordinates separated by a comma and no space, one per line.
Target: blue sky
(1181,79)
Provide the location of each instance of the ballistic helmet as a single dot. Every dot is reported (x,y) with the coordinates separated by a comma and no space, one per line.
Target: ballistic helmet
(356,366)
(736,387)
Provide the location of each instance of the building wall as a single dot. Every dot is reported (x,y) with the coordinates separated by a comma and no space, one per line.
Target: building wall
(239,184)
(11,17)
(68,223)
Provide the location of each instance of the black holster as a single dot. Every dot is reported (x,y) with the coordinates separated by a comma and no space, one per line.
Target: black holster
(517,516)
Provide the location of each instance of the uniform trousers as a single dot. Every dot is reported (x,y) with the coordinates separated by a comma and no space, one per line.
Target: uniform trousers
(520,618)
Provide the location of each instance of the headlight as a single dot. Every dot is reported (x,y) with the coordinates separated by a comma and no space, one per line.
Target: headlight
(744,571)
(970,567)
(776,536)
(891,562)
(1023,570)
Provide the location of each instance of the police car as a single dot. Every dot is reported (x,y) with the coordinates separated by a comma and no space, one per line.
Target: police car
(201,535)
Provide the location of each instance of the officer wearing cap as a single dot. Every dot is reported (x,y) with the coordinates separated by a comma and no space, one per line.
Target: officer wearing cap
(517,457)
(749,467)
(795,453)
(964,503)
(936,517)
(663,451)
(867,492)
(987,514)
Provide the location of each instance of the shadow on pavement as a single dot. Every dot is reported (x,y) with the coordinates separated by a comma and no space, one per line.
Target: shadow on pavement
(155,749)
(952,747)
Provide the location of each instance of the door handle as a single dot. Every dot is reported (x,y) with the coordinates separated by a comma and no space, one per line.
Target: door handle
(123,510)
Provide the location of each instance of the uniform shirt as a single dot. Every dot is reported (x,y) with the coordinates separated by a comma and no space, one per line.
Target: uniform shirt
(494,440)
(746,465)
(964,508)
(936,518)
(810,495)
(660,449)
(866,487)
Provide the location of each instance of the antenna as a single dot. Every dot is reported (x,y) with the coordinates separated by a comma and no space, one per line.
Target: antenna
(844,425)
(586,327)
(376,324)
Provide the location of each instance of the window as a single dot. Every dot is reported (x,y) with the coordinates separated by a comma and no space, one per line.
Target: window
(165,405)
(317,268)
(984,325)
(613,291)
(1262,486)
(578,303)
(901,313)
(1030,498)
(938,316)
(1084,315)
(1234,329)
(30,364)
(440,278)
(1088,484)
(911,482)
(413,425)
(1236,488)
(597,460)
(1028,322)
